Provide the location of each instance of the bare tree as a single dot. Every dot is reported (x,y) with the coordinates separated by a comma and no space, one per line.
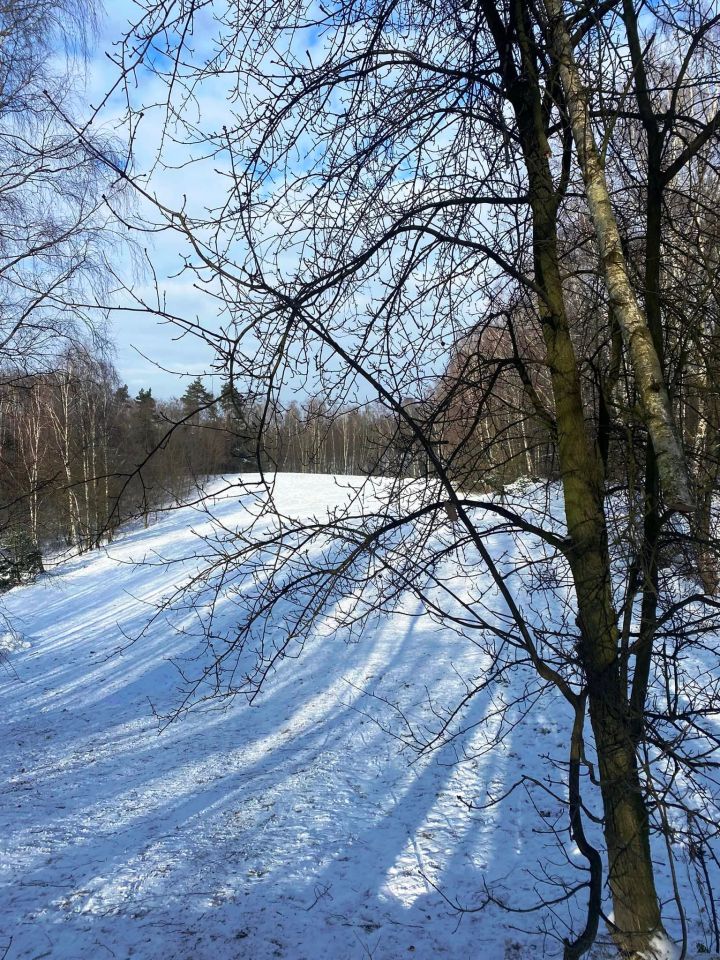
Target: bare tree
(56,230)
(56,226)
(428,178)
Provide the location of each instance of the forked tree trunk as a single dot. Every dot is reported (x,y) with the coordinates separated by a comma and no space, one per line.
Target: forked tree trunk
(626,828)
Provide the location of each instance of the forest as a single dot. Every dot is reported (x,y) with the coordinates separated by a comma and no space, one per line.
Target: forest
(81,456)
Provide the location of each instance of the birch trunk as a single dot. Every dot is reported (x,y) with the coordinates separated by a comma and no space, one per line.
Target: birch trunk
(625,816)
(644,359)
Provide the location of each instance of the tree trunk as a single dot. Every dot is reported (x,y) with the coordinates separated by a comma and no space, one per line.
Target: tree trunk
(630,869)
(635,903)
(645,362)
(707,480)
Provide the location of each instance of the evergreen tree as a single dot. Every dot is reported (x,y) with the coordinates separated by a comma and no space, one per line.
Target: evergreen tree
(197,403)
(144,426)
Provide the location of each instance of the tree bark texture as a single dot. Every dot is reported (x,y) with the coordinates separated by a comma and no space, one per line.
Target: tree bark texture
(626,825)
(644,358)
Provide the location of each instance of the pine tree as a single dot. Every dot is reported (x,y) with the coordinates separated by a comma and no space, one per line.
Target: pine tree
(197,403)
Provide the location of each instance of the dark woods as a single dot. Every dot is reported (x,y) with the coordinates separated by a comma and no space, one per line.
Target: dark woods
(81,455)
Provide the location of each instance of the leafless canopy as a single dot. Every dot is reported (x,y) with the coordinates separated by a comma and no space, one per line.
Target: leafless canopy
(497,221)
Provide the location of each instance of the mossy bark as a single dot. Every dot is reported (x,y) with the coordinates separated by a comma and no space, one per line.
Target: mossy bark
(630,869)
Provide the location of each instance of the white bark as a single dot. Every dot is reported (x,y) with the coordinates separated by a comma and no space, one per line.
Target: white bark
(652,389)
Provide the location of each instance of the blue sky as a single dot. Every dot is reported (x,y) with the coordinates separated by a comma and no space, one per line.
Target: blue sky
(149,353)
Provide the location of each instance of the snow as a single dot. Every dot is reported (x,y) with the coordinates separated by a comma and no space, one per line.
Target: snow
(293,828)
(12,640)
(662,949)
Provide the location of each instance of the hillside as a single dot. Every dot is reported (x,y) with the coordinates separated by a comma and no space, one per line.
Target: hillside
(293,828)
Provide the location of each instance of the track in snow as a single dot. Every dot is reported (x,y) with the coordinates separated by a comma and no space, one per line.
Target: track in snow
(291,829)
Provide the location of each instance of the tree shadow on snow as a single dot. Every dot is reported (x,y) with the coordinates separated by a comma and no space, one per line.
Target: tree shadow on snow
(296,829)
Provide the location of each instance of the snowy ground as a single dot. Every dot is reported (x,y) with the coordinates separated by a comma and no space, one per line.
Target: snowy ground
(294,828)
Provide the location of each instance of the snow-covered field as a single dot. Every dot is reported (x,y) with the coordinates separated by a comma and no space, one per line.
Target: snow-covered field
(294,828)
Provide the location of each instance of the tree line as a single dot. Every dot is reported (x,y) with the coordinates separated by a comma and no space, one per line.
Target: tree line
(81,456)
